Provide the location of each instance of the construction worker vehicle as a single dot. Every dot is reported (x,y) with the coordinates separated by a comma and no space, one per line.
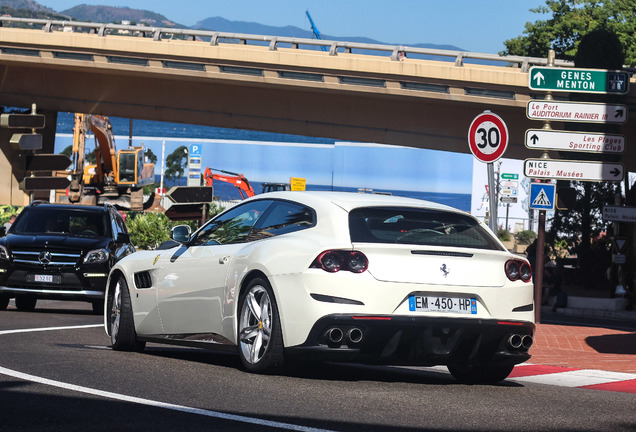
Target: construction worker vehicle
(116,178)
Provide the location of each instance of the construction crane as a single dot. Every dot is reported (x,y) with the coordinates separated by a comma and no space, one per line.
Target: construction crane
(314,29)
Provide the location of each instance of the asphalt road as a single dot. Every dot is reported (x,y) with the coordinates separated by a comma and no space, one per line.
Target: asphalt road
(69,379)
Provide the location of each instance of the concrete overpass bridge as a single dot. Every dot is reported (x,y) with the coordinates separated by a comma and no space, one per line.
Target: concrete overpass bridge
(361,92)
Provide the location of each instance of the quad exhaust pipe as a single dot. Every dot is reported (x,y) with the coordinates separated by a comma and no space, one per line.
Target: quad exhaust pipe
(335,335)
(354,335)
(527,341)
(516,341)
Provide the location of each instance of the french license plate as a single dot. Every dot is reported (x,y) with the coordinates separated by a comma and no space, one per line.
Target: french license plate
(55,279)
(443,304)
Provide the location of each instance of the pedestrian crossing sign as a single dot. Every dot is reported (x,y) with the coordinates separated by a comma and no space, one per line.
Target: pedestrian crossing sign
(542,196)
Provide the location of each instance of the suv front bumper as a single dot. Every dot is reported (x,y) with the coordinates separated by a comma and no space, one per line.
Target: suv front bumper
(86,283)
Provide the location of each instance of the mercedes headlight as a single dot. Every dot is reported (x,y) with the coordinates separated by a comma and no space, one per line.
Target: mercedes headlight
(97,256)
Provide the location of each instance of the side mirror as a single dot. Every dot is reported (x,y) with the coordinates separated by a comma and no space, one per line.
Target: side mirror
(122,238)
(180,233)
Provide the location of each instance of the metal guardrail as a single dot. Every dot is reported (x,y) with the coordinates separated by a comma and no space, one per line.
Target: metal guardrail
(396,52)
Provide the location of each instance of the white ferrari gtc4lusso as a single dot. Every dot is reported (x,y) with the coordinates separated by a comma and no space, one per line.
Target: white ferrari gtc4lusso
(334,276)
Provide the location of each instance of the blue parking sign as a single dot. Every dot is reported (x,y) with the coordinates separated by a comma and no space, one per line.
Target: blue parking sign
(195,150)
(542,196)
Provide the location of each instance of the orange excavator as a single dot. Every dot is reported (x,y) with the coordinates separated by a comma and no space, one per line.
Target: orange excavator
(238,180)
(117,177)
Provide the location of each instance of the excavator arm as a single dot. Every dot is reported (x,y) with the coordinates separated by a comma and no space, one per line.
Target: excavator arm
(238,180)
(76,187)
(105,149)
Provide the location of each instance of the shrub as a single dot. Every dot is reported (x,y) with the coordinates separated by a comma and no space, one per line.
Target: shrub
(504,235)
(6,211)
(525,237)
(148,230)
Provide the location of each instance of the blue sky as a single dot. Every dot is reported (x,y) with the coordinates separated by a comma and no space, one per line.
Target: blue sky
(472,25)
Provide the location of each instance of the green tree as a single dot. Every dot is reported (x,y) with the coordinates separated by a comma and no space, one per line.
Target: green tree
(152,158)
(89,157)
(176,163)
(569,20)
(68,151)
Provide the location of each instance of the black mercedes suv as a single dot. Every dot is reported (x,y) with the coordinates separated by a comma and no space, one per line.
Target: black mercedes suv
(60,252)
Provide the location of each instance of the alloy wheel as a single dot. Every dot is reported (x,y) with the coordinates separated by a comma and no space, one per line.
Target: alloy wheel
(115,312)
(255,324)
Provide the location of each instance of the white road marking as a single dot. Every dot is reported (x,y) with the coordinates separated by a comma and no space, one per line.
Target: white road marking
(577,378)
(141,401)
(4,332)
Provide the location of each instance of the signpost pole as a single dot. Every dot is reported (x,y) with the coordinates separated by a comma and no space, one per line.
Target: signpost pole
(538,270)
(507,212)
(492,198)
(487,140)
(163,162)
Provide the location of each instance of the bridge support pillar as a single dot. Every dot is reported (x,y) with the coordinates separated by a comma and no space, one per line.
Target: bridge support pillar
(11,171)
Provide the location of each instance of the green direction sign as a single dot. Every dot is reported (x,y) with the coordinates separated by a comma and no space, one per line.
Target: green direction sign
(578,80)
(508,176)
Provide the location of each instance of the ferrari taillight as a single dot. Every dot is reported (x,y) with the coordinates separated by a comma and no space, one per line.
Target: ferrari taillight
(517,269)
(335,260)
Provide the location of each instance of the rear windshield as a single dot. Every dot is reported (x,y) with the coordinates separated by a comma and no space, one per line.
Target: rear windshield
(418,227)
(40,220)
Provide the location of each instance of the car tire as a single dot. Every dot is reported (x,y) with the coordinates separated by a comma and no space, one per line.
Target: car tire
(260,337)
(25,303)
(479,374)
(120,321)
(4,302)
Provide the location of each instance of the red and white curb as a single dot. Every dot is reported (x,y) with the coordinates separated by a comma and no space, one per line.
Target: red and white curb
(574,377)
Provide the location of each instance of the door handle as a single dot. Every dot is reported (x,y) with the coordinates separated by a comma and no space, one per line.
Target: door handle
(224,259)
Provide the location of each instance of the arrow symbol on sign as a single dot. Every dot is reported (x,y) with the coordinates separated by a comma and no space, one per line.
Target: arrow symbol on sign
(534,138)
(616,172)
(619,113)
(539,77)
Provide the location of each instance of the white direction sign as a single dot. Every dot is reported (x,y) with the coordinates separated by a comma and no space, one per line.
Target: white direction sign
(576,111)
(619,214)
(573,170)
(574,141)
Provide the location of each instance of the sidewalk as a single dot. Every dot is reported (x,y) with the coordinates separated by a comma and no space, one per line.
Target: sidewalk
(585,346)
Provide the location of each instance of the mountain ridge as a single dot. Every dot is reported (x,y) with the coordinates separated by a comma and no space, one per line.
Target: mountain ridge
(111,14)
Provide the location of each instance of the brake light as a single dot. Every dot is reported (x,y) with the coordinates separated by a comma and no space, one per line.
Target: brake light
(517,269)
(335,260)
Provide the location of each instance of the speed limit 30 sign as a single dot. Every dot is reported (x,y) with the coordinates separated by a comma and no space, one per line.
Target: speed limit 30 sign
(488,137)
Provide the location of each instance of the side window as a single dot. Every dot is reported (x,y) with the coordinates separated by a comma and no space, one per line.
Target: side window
(232,226)
(282,218)
(140,164)
(121,223)
(117,223)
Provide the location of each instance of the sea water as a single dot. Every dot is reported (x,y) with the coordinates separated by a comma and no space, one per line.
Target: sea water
(226,191)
